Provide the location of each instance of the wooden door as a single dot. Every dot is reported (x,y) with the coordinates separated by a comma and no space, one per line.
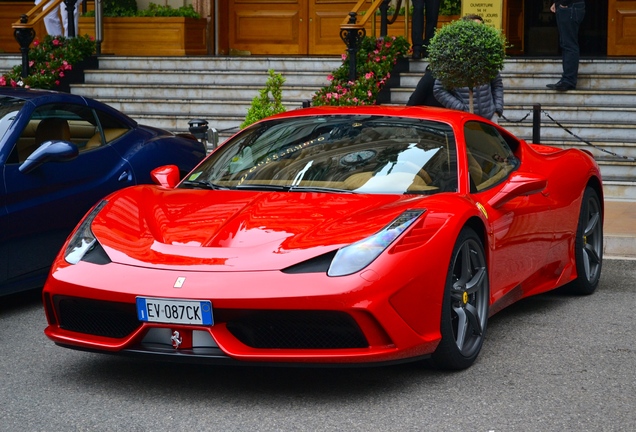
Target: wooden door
(282,27)
(621,28)
(325,17)
(268,26)
(513,25)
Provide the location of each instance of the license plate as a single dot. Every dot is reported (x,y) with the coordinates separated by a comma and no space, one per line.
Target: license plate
(171,311)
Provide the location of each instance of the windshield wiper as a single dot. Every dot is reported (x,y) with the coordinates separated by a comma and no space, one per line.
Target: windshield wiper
(270,187)
(203,185)
(318,189)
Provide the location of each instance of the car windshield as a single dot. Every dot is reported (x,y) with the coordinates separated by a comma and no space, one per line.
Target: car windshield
(9,108)
(339,153)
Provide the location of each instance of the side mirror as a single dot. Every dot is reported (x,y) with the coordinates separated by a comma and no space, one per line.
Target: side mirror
(49,151)
(520,184)
(166,176)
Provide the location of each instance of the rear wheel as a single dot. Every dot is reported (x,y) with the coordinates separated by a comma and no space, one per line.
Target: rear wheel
(465,304)
(588,246)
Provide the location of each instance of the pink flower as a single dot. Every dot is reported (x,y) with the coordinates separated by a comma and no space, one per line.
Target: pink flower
(330,77)
(13,83)
(61,74)
(3,81)
(368,75)
(55,42)
(369,93)
(31,63)
(343,56)
(57,82)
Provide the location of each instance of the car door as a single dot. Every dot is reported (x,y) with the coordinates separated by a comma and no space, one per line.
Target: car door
(521,231)
(42,206)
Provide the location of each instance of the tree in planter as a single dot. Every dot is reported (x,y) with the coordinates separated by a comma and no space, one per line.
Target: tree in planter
(466,54)
(264,106)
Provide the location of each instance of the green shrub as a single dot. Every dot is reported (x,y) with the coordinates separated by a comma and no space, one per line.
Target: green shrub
(114,9)
(262,105)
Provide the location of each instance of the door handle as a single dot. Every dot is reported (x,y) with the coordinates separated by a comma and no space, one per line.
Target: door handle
(124,176)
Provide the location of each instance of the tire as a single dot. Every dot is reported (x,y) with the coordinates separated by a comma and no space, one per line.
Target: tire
(588,246)
(465,305)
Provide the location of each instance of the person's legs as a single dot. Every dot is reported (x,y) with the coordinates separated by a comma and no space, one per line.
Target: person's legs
(52,21)
(64,12)
(417,27)
(568,22)
(432,13)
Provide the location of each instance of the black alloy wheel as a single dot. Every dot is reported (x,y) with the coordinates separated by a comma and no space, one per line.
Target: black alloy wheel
(588,246)
(465,304)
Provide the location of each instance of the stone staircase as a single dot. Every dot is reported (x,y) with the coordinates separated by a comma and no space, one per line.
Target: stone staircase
(167,92)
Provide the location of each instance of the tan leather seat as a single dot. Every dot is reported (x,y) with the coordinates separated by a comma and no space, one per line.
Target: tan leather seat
(52,129)
(48,129)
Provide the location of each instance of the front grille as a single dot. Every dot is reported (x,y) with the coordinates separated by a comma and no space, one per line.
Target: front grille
(99,318)
(297,330)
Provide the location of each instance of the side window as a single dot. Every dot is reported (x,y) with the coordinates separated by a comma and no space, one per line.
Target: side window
(490,159)
(111,129)
(64,122)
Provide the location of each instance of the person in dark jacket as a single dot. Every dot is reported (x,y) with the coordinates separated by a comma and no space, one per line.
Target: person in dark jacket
(423,93)
(488,100)
(569,15)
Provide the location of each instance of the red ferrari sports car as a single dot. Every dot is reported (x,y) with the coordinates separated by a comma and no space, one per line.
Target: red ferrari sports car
(348,235)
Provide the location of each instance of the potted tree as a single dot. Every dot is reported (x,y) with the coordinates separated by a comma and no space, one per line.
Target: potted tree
(466,54)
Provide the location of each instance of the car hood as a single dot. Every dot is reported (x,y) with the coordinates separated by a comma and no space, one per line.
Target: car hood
(237,230)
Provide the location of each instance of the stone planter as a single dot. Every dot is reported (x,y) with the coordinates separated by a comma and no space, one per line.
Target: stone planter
(150,36)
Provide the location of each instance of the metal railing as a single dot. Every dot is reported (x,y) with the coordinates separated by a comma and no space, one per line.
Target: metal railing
(23,28)
(353,31)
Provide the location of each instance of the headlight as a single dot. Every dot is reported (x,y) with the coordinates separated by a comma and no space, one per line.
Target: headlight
(356,256)
(83,239)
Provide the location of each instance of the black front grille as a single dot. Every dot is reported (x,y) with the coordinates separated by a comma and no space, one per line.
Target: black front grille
(99,318)
(297,330)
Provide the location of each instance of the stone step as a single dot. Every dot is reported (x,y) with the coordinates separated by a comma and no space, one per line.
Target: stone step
(292,94)
(206,63)
(553,66)
(539,81)
(193,107)
(200,77)
(529,97)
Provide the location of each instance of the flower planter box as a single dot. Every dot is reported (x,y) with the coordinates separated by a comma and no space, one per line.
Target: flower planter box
(150,36)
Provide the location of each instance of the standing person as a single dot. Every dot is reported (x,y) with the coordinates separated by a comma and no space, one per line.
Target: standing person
(569,15)
(423,93)
(488,100)
(52,22)
(419,37)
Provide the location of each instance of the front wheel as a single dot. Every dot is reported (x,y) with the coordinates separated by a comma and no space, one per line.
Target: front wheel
(465,304)
(588,246)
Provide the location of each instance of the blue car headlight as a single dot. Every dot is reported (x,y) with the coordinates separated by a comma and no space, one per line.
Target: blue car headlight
(356,256)
(83,240)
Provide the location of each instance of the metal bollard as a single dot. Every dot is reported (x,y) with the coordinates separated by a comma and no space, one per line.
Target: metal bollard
(536,123)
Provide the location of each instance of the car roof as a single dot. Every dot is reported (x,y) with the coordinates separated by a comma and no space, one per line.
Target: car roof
(30,94)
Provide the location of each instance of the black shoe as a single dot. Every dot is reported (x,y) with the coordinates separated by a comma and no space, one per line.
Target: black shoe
(417,53)
(561,86)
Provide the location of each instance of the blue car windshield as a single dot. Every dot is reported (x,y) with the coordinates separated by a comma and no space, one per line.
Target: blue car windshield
(338,153)
(9,108)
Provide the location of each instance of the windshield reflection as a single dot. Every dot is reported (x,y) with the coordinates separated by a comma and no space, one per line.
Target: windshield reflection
(340,153)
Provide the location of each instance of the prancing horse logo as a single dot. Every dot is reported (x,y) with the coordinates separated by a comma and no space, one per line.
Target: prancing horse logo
(176,339)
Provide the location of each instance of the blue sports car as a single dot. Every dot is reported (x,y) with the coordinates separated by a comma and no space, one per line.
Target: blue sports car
(59,154)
